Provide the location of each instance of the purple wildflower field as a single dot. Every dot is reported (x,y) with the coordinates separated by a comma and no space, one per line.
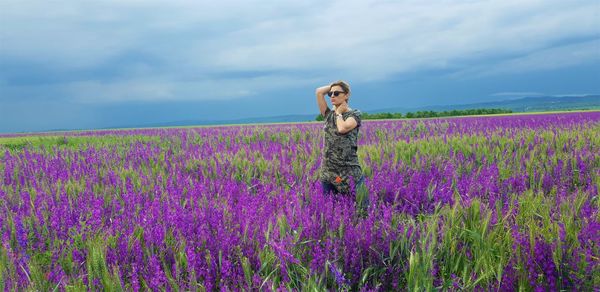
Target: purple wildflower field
(474,203)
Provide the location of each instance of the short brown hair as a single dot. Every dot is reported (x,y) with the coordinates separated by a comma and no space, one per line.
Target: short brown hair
(343,84)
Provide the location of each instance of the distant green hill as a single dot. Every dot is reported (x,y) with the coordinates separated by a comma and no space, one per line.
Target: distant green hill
(525,104)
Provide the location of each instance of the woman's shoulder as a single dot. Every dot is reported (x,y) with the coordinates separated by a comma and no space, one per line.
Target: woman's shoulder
(354,112)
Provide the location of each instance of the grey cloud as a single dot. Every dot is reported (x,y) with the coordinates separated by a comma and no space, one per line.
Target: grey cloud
(192,50)
(559,56)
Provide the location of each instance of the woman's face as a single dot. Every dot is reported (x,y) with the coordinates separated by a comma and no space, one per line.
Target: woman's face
(341,95)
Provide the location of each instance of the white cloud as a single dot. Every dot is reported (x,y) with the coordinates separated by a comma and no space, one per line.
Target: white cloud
(89,92)
(370,39)
(360,40)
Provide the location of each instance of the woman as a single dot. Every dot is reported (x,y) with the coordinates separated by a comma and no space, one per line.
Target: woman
(340,168)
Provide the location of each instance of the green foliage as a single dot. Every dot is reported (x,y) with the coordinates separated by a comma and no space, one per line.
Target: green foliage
(472,248)
(430,114)
(5,271)
(97,267)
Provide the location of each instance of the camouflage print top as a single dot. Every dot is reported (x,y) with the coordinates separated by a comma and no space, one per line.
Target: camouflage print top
(340,161)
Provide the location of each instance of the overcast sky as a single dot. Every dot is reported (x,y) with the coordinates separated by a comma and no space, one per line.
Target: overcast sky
(92,64)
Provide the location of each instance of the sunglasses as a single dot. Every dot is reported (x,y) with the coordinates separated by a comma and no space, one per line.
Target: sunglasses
(334,93)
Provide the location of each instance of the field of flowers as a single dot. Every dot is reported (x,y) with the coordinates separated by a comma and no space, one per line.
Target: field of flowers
(478,203)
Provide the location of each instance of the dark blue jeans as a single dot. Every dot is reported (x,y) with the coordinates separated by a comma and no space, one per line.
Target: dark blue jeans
(362,198)
(329,188)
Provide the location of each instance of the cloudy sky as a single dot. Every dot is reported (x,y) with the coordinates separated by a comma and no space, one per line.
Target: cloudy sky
(93,64)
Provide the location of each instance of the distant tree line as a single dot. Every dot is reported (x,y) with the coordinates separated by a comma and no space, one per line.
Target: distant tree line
(430,114)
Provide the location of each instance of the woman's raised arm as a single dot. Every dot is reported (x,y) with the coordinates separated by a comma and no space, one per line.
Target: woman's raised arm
(320,92)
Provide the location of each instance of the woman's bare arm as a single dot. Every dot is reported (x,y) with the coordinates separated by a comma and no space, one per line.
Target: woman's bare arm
(320,92)
(346,126)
